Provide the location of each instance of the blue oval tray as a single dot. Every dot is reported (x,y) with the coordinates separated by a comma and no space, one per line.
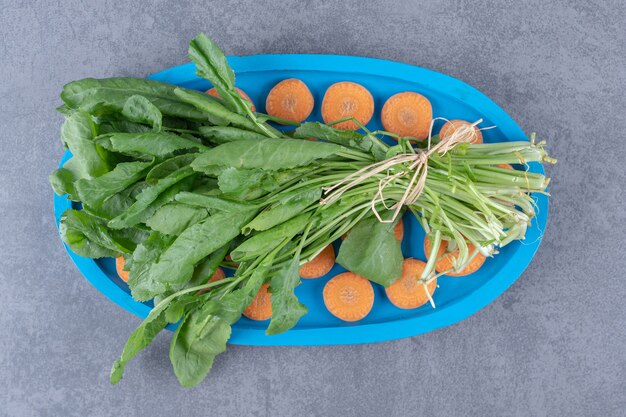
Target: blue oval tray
(456,298)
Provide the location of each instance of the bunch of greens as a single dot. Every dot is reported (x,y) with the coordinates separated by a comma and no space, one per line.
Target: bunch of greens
(174,180)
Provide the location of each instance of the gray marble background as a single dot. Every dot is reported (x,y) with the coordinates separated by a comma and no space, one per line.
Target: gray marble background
(552,345)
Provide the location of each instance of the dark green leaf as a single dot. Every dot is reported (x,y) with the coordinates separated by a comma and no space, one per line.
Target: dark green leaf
(198,340)
(347,138)
(246,184)
(205,269)
(139,109)
(212,202)
(224,134)
(142,145)
(93,192)
(77,134)
(176,264)
(145,255)
(289,206)
(168,167)
(62,181)
(88,236)
(118,203)
(372,251)
(264,242)
(174,218)
(106,96)
(286,309)
(137,212)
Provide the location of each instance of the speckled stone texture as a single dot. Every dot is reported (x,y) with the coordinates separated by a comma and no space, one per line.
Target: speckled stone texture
(553,345)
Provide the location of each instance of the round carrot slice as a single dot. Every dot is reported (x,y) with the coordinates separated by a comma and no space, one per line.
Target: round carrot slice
(320,265)
(398,231)
(242,94)
(290,99)
(408,292)
(451,125)
(347,99)
(505,166)
(261,306)
(349,296)
(119,267)
(407,114)
(445,260)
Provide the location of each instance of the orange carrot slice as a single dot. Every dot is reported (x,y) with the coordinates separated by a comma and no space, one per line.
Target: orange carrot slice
(398,231)
(290,99)
(218,275)
(445,260)
(261,306)
(408,292)
(320,265)
(407,114)
(505,166)
(349,296)
(451,125)
(119,267)
(242,94)
(347,99)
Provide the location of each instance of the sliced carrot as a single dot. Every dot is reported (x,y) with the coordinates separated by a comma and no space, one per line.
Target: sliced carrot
(407,114)
(261,306)
(408,292)
(290,99)
(505,166)
(119,267)
(451,125)
(320,265)
(349,296)
(398,231)
(242,94)
(445,260)
(347,99)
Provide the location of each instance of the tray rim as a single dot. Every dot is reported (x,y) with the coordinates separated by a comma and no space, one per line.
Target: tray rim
(346,334)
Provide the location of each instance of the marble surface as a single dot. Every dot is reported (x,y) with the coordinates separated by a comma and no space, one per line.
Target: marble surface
(552,345)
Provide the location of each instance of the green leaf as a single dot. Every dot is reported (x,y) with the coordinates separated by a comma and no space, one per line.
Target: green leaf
(289,206)
(347,138)
(372,251)
(62,181)
(93,192)
(109,95)
(264,242)
(139,109)
(77,133)
(267,154)
(138,340)
(212,65)
(88,236)
(137,212)
(176,264)
(120,126)
(118,203)
(286,309)
(174,218)
(168,167)
(142,145)
(212,202)
(215,110)
(205,269)
(141,284)
(198,340)
(246,184)
(224,134)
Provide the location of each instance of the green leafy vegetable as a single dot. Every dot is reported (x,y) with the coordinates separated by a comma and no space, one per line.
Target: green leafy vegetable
(146,145)
(286,309)
(139,109)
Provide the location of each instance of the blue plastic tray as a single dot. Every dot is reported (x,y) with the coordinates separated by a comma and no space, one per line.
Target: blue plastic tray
(456,298)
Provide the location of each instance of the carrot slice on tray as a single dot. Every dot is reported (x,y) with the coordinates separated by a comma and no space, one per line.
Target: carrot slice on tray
(290,99)
(408,292)
(320,265)
(505,166)
(347,99)
(242,94)
(445,260)
(349,296)
(119,267)
(398,231)
(407,114)
(261,306)
(451,125)
(217,276)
